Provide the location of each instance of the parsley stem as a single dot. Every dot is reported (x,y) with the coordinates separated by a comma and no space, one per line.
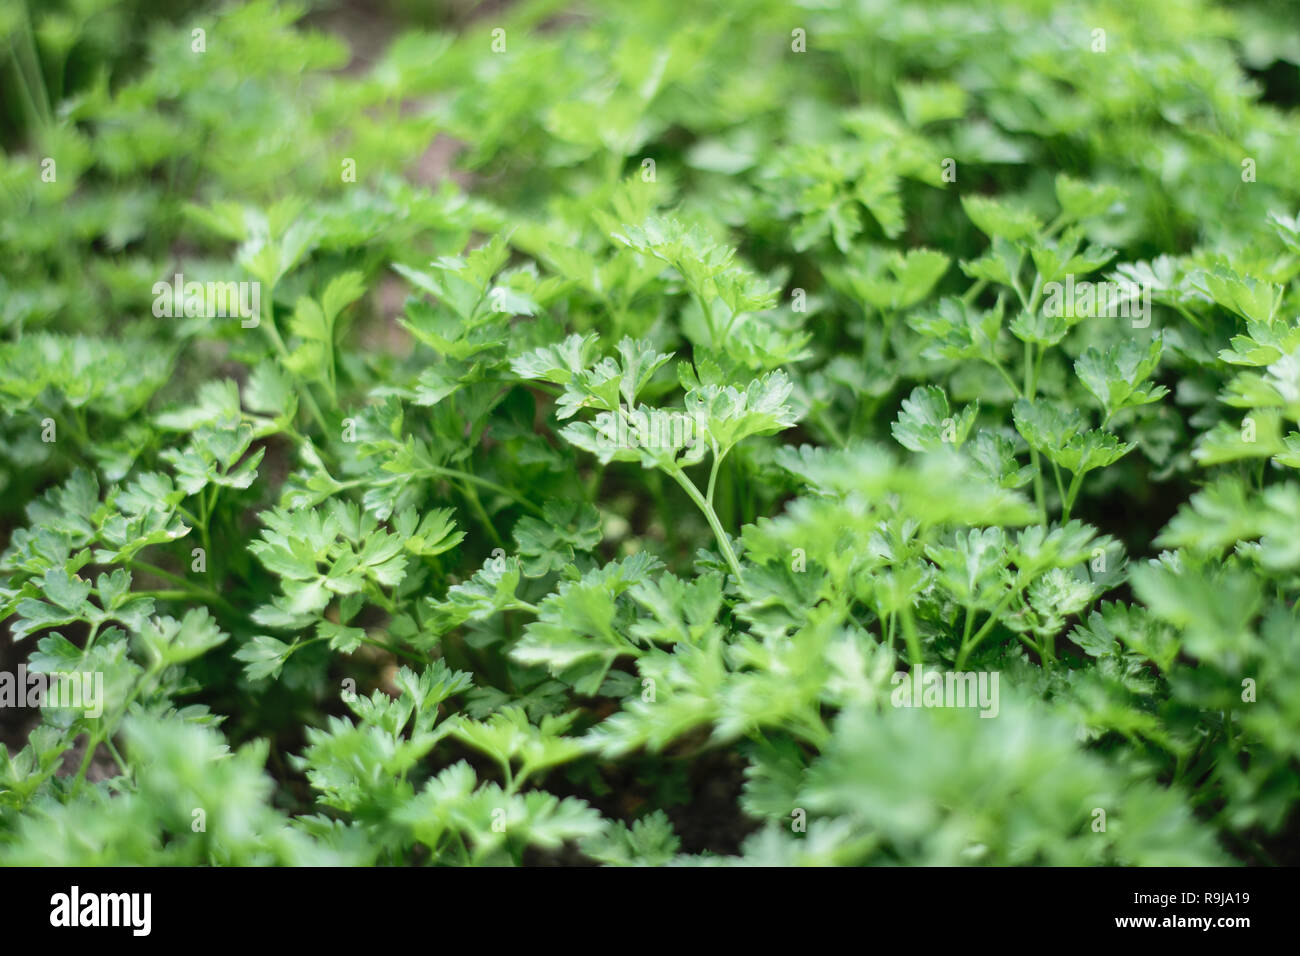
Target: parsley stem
(1183,311)
(1060,490)
(107,728)
(1068,504)
(92,744)
(28,50)
(28,100)
(713,472)
(514,496)
(1006,376)
(828,426)
(157,572)
(1040,498)
(477,506)
(969,646)
(203,522)
(1032,645)
(976,288)
(209,596)
(724,544)
(377,595)
(464,849)
(177,594)
(121,764)
(395,650)
(708,314)
(910,635)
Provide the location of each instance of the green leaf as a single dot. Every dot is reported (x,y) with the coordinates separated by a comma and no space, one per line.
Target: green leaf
(263,657)
(926,423)
(1000,219)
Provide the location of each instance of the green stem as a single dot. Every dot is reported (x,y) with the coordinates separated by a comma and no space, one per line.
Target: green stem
(968,647)
(1040,498)
(203,524)
(724,544)
(708,314)
(377,596)
(156,571)
(1006,376)
(209,596)
(477,506)
(464,849)
(187,594)
(107,728)
(1032,645)
(970,621)
(394,650)
(1031,389)
(828,426)
(910,635)
(108,742)
(28,100)
(1068,504)
(976,288)
(92,744)
(514,496)
(713,472)
(1182,310)
(38,80)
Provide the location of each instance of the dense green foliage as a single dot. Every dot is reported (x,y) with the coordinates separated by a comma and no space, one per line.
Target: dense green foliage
(731,379)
